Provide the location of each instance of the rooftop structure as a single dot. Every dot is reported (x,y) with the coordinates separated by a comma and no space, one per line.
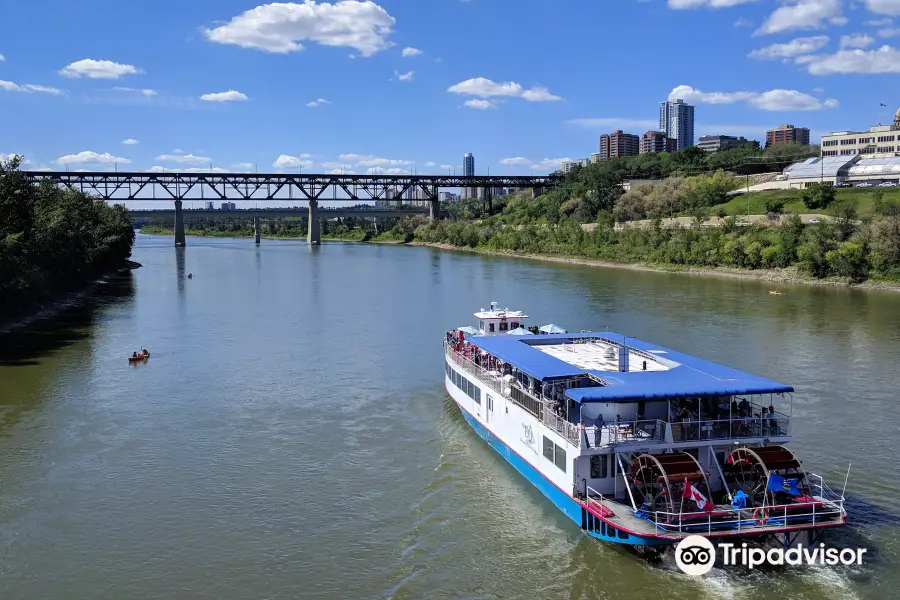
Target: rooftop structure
(869,168)
(669,374)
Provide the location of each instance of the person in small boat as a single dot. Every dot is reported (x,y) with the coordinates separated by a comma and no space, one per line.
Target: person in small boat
(134,355)
(144,352)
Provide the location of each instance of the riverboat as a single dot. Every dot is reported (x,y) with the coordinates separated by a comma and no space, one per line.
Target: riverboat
(635,443)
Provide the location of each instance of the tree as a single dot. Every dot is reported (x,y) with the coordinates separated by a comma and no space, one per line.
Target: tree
(818,196)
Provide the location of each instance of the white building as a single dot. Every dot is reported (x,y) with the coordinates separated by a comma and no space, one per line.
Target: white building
(676,120)
(878,141)
(568,165)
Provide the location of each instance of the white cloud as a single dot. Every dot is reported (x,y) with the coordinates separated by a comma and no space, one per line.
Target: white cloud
(685,4)
(2,58)
(446,167)
(243,166)
(884,7)
(383,171)
(285,161)
(130,142)
(183,158)
(549,164)
(88,157)
(881,60)
(158,169)
(771,100)
(142,92)
(743,23)
(857,40)
(280,27)
(802,14)
(404,76)
(485,88)
(317,102)
(514,161)
(409,51)
(430,164)
(97,69)
(341,171)
(367,160)
(479,104)
(9,86)
(229,96)
(889,32)
(796,47)
(880,22)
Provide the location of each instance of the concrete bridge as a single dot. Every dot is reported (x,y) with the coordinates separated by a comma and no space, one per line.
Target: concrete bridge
(257,214)
(311,188)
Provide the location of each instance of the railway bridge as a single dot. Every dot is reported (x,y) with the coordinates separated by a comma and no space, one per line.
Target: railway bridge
(309,188)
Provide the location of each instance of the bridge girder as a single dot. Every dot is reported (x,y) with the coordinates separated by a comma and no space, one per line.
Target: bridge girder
(266,186)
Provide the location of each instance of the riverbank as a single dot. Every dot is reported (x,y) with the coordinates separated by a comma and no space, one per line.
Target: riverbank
(790,275)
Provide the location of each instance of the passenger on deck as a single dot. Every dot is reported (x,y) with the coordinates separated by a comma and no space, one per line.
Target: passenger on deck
(744,407)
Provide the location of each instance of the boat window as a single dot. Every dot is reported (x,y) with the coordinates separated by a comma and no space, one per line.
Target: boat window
(514,325)
(622,535)
(560,458)
(548,448)
(599,466)
(490,328)
(504,326)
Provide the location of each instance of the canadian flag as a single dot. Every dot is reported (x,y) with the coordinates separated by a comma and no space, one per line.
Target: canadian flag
(692,493)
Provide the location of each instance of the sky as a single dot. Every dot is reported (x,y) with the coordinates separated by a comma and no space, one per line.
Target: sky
(400,86)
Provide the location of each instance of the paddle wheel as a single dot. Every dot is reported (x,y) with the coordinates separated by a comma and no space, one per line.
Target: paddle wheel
(750,469)
(658,481)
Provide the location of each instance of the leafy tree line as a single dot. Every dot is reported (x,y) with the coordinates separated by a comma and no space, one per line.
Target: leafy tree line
(552,224)
(52,239)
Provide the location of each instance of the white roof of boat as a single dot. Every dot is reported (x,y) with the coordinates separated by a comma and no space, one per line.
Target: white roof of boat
(592,357)
(500,313)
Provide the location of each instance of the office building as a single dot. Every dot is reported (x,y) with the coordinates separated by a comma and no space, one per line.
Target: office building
(469,171)
(657,141)
(568,165)
(595,157)
(787,134)
(448,197)
(881,140)
(229,206)
(715,143)
(676,121)
(210,205)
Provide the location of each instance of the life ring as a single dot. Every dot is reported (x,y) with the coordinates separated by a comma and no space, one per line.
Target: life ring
(761,515)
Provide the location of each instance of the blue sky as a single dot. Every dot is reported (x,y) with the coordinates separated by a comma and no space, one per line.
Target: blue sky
(406,85)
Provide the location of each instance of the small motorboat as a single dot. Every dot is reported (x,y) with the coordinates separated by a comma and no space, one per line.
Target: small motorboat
(775,292)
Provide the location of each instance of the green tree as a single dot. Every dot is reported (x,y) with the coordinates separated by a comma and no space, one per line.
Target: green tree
(818,196)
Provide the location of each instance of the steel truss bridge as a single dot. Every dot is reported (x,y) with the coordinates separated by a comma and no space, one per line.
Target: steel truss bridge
(311,188)
(280,186)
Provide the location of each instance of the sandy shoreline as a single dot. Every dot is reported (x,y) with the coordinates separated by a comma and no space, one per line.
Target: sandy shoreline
(788,275)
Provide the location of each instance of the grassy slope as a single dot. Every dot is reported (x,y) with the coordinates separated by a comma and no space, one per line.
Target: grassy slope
(863,197)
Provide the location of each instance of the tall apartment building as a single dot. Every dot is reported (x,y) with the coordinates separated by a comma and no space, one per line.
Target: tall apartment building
(469,171)
(787,134)
(715,143)
(657,141)
(568,165)
(618,143)
(676,120)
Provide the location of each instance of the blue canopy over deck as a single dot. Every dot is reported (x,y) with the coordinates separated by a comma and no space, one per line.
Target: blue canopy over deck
(686,376)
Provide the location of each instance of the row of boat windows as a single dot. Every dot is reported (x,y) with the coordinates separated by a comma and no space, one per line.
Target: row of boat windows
(554,454)
(463,384)
(603,528)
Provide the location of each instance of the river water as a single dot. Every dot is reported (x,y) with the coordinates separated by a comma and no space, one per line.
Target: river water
(290,436)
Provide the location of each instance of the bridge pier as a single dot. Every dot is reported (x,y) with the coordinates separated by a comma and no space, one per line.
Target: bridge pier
(256,228)
(313,232)
(537,191)
(179,225)
(489,199)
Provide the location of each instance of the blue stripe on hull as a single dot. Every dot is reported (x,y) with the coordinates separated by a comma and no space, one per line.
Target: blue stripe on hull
(563,502)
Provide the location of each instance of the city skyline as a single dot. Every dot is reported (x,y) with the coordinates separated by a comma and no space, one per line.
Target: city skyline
(358,87)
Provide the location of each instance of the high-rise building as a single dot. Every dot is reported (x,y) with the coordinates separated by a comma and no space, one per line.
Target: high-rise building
(787,134)
(617,144)
(656,141)
(676,120)
(469,171)
(568,165)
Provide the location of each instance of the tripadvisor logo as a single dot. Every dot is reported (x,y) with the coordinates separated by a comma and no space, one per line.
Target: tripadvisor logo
(696,555)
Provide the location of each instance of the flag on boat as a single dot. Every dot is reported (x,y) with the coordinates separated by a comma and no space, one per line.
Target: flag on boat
(692,493)
(777,483)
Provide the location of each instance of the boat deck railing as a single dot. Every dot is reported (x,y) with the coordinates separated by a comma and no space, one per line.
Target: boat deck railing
(491,378)
(726,429)
(626,432)
(825,507)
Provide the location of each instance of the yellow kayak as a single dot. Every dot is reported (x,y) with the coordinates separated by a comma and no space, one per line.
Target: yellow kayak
(775,292)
